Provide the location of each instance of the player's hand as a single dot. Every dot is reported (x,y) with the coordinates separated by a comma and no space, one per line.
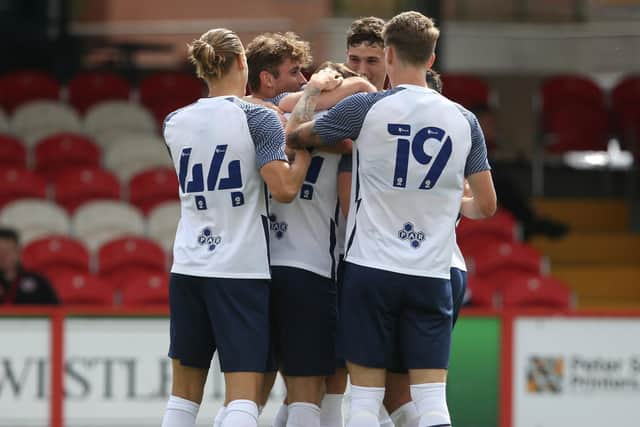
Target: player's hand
(325,79)
(302,156)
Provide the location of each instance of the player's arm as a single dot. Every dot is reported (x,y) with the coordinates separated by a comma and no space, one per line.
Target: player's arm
(283,176)
(329,98)
(483,201)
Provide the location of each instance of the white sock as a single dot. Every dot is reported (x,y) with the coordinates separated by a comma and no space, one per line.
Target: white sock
(303,414)
(431,403)
(240,413)
(406,415)
(365,406)
(217,422)
(180,413)
(383,417)
(331,411)
(281,416)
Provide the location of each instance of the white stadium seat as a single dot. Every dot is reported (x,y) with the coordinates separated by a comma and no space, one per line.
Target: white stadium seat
(163,221)
(35,218)
(118,116)
(130,154)
(97,222)
(34,120)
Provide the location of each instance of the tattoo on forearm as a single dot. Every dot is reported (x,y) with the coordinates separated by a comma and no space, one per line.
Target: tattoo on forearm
(304,109)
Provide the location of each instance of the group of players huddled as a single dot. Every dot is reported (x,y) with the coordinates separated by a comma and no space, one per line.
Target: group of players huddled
(317,228)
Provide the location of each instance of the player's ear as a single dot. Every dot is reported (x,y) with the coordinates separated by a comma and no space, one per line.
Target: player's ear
(242,61)
(389,55)
(266,79)
(431,60)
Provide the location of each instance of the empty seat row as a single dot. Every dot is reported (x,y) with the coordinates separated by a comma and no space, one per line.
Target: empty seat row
(94,223)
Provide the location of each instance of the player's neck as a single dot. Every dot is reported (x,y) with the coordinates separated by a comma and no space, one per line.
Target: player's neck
(263,93)
(227,86)
(408,76)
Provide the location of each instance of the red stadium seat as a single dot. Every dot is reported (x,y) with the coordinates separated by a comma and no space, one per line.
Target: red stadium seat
(153,187)
(146,288)
(13,153)
(469,91)
(628,125)
(65,151)
(89,88)
(625,93)
(119,257)
(162,93)
(19,87)
(560,92)
(577,128)
(56,252)
(482,292)
(81,289)
(75,186)
(502,259)
(474,235)
(536,291)
(17,183)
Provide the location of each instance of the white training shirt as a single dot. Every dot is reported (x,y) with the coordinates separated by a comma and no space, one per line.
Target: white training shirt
(413,148)
(304,232)
(218,146)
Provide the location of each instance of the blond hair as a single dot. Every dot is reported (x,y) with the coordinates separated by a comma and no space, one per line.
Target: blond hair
(413,36)
(214,52)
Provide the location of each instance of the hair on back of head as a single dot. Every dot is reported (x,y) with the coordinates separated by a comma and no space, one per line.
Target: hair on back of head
(366,30)
(413,36)
(434,81)
(340,68)
(214,52)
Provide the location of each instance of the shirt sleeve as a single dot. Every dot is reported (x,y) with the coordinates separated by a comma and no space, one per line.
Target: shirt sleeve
(267,134)
(276,99)
(477,160)
(345,119)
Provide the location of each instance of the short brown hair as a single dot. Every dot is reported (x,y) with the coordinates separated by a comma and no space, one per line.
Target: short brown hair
(268,51)
(214,52)
(366,30)
(433,80)
(413,36)
(341,69)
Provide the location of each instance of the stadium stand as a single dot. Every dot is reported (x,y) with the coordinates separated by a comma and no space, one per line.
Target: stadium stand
(65,150)
(163,93)
(81,289)
(37,119)
(75,186)
(151,187)
(4,121)
(98,222)
(54,253)
(129,154)
(108,118)
(19,87)
(146,288)
(18,183)
(469,91)
(536,291)
(35,218)
(118,258)
(92,87)
(13,153)
(163,220)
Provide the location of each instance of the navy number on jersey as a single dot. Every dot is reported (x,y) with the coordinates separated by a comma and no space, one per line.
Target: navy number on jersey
(232,181)
(306,192)
(417,150)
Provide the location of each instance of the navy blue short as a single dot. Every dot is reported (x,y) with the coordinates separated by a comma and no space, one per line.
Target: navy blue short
(384,312)
(304,321)
(227,315)
(458,288)
(340,362)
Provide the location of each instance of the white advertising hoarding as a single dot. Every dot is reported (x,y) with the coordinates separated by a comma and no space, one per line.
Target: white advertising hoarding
(117,373)
(576,371)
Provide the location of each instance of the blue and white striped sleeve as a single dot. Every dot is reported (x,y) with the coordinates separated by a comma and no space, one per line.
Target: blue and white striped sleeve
(345,119)
(276,99)
(477,160)
(267,134)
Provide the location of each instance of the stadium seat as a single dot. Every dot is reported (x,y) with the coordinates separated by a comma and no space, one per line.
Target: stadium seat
(37,119)
(127,253)
(625,93)
(73,187)
(567,91)
(152,187)
(35,218)
(13,153)
(55,252)
(19,87)
(628,127)
(163,93)
(4,122)
(163,221)
(482,292)
(81,289)
(17,183)
(130,154)
(146,288)
(65,151)
(474,235)
(97,222)
(578,128)
(118,117)
(92,87)
(536,291)
(504,259)
(469,91)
